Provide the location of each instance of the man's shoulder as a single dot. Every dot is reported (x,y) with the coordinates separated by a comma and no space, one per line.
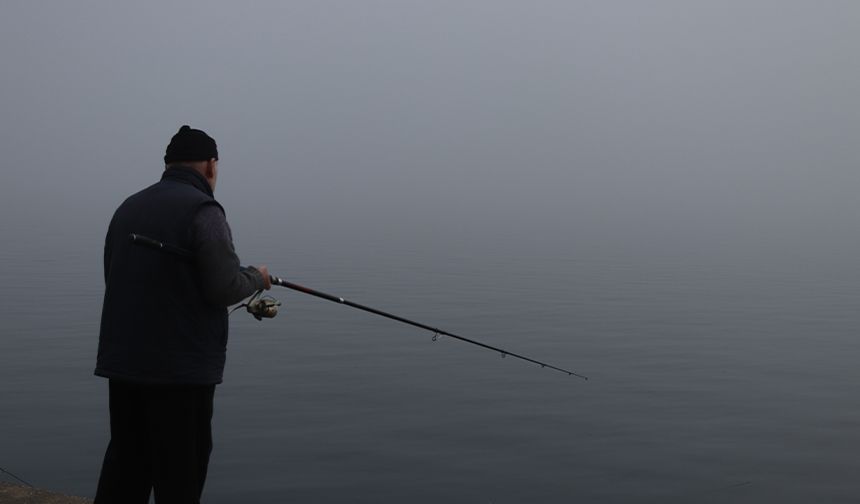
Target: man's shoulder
(210,224)
(210,211)
(166,189)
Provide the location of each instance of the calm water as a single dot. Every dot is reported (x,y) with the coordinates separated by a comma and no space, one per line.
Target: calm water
(717,374)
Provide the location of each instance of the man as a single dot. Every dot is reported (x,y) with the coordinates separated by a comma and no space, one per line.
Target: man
(163,337)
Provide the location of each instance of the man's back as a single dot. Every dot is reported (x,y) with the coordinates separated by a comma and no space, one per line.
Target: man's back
(157,326)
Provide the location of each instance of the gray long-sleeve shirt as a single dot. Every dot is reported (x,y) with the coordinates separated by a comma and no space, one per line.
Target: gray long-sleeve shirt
(224,281)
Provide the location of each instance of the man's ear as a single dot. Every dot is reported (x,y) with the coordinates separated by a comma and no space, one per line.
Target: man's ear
(210,168)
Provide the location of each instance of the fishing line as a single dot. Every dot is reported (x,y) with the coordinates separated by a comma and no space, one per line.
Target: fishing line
(4,471)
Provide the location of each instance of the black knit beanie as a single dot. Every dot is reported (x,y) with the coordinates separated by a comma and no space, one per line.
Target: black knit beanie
(190,145)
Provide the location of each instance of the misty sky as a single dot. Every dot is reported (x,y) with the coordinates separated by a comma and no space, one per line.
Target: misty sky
(607,119)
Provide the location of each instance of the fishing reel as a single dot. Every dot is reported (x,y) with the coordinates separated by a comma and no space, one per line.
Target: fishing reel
(260,306)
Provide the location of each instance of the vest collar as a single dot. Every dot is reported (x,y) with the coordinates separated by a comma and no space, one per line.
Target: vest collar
(188,175)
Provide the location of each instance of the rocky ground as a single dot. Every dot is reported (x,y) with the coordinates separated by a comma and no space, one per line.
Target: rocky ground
(15,494)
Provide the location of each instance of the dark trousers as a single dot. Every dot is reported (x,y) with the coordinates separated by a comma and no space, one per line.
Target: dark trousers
(161,438)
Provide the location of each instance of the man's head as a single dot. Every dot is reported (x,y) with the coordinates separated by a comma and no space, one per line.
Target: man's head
(193,148)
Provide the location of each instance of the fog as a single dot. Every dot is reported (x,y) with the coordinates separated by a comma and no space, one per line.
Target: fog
(658,194)
(615,123)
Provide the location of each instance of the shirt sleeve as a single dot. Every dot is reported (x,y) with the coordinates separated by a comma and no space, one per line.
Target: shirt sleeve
(223,280)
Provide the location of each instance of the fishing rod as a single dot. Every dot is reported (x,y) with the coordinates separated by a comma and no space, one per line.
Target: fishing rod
(436,331)
(266,307)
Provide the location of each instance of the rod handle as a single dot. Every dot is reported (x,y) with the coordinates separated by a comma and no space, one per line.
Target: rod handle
(166,247)
(145,241)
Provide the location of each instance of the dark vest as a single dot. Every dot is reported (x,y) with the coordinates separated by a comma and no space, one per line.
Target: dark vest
(156,327)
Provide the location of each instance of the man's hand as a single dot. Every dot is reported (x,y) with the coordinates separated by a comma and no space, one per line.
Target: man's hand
(267,279)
